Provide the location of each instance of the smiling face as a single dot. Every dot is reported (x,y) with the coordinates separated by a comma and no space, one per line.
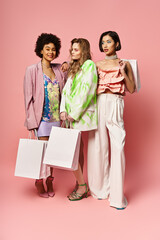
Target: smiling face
(75,51)
(109,46)
(49,52)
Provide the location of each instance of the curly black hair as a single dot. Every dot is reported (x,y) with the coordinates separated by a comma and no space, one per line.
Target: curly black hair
(46,38)
(115,38)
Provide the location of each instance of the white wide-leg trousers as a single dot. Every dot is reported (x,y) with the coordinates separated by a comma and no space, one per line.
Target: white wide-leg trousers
(106,178)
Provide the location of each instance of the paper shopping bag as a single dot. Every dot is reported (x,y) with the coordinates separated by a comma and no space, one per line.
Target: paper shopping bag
(29,161)
(135,70)
(63,148)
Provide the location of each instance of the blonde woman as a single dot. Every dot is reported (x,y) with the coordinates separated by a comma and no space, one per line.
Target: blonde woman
(78,104)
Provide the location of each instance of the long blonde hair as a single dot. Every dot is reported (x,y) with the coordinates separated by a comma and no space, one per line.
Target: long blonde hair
(75,66)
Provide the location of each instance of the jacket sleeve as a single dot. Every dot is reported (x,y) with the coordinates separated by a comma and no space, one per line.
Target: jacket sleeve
(65,76)
(84,89)
(30,122)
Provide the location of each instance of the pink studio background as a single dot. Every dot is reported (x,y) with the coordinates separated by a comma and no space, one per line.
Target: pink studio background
(23,214)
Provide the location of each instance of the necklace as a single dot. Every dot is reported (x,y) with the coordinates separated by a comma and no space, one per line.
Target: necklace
(111,57)
(46,66)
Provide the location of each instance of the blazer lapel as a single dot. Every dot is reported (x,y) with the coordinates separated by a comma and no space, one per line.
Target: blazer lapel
(40,82)
(40,74)
(58,76)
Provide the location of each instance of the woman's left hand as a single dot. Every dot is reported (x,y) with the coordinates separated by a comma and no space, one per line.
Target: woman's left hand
(122,66)
(70,119)
(65,67)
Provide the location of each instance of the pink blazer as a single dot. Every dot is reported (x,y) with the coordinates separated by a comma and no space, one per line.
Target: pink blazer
(34,92)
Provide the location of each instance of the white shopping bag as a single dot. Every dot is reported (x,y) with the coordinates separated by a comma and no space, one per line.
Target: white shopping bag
(63,148)
(135,70)
(30,156)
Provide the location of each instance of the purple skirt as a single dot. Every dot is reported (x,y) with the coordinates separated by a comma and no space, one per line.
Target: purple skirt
(45,128)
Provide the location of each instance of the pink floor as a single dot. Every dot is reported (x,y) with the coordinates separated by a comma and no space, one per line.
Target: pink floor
(25,216)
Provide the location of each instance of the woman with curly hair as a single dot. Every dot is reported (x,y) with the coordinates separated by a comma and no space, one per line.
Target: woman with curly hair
(78,103)
(106,178)
(43,84)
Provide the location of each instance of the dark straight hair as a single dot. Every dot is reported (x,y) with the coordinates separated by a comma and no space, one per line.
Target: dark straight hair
(115,38)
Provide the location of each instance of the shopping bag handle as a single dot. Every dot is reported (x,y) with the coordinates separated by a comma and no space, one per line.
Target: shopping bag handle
(35,134)
(65,124)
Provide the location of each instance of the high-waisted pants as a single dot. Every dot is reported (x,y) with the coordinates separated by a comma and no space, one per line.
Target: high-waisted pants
(106,176)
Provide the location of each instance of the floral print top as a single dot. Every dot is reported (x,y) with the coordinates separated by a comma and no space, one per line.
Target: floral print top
(51,100)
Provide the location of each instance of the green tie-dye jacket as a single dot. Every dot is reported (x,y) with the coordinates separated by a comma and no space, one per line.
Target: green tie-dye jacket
(79,97)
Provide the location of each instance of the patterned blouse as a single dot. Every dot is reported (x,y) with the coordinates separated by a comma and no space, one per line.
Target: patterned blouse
(51,100)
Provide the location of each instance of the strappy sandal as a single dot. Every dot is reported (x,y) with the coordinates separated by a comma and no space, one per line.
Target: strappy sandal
(49,184)
(74,190)
(74,196)
(40,188)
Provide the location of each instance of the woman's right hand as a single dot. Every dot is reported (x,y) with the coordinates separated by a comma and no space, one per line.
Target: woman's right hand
(63,116)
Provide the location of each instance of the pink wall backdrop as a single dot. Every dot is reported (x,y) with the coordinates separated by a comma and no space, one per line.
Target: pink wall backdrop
(23,214)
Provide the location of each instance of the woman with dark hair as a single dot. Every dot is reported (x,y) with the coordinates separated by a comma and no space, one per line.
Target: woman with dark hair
(43,84)
(78,103)
(115,76)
